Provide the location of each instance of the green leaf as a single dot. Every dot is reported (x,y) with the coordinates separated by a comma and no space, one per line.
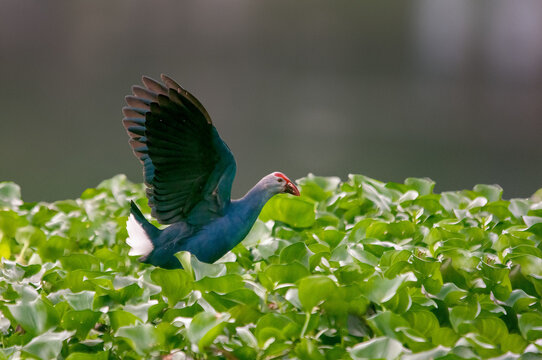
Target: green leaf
(530,325)
(47,345)
(331,236)
(537,196)
(414,339)
(427,270)
(101,355)
(296,252)
(380,290)
(120,318)
(223,284)
(205,327)
(202,269)
(142,337)
(282,274)
(530,265)
(293,211)
(142,310)
(35,316)
(439,352)
(377,348)
(10,195)
(400,302)
(363,256)
(312,290)
(318,188)
(513,343)
(423,321)
(451,294)
(424,186)
(308,349)
(80,261)
(394,259)
(246,335)
(519,207)
(490,192)
(430,203)
(444,336)
(277,326)
(10,221)
(352,273)
(536,280)
(176,284)
(482,345)
(461,318)
(54,248)
(531,221)
(81,321)
(81,301)
(453,200)
(30,235)
(388,324)
(402,229)
(492,328)
(198,269)
(520,301)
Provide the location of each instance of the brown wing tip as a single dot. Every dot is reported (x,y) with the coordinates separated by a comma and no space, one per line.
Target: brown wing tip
(130,99)
(170,83)
(142,92)
(153,85)
(137,102)
(129,111)
(145,78)
(154,89)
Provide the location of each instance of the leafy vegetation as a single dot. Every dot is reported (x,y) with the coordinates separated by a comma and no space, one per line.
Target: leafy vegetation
(355,270)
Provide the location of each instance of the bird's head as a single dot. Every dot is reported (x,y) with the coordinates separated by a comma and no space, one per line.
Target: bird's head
(278,183)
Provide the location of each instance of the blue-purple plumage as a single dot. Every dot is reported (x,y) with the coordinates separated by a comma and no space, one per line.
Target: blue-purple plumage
(188,171)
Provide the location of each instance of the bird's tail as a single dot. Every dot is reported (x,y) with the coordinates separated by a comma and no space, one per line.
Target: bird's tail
(141,233)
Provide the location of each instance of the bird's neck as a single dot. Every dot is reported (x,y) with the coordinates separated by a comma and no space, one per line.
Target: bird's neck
(240,217)
(250,205)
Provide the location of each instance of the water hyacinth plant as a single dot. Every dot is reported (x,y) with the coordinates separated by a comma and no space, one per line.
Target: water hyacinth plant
(359,269)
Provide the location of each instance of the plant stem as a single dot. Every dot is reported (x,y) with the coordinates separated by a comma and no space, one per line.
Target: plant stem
(20,258)
(306,324)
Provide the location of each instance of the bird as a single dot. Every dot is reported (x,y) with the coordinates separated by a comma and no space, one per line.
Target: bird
(188,172)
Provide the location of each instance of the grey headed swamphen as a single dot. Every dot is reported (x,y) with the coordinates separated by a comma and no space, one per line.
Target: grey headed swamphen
(188,172)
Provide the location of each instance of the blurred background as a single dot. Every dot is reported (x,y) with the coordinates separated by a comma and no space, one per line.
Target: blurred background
(450,90)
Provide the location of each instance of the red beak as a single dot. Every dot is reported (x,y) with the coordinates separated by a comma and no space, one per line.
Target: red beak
(291,189)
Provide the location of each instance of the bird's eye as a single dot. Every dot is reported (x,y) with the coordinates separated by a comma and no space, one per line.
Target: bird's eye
(281,180)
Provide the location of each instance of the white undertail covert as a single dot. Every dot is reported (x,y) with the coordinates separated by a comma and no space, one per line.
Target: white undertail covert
(137,238)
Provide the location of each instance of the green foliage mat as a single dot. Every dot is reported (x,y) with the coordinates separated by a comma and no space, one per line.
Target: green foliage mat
(355,270)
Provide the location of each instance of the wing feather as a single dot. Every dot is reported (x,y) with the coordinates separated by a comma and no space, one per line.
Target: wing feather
(153,85)
(138,102)
(143,93)
(188,169)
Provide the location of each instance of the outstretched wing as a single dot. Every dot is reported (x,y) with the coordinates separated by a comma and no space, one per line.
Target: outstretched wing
(188,169)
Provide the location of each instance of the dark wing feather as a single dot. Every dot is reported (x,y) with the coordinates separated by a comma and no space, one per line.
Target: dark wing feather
(188,169)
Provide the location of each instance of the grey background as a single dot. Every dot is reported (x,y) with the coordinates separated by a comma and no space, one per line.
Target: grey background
(451,90)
